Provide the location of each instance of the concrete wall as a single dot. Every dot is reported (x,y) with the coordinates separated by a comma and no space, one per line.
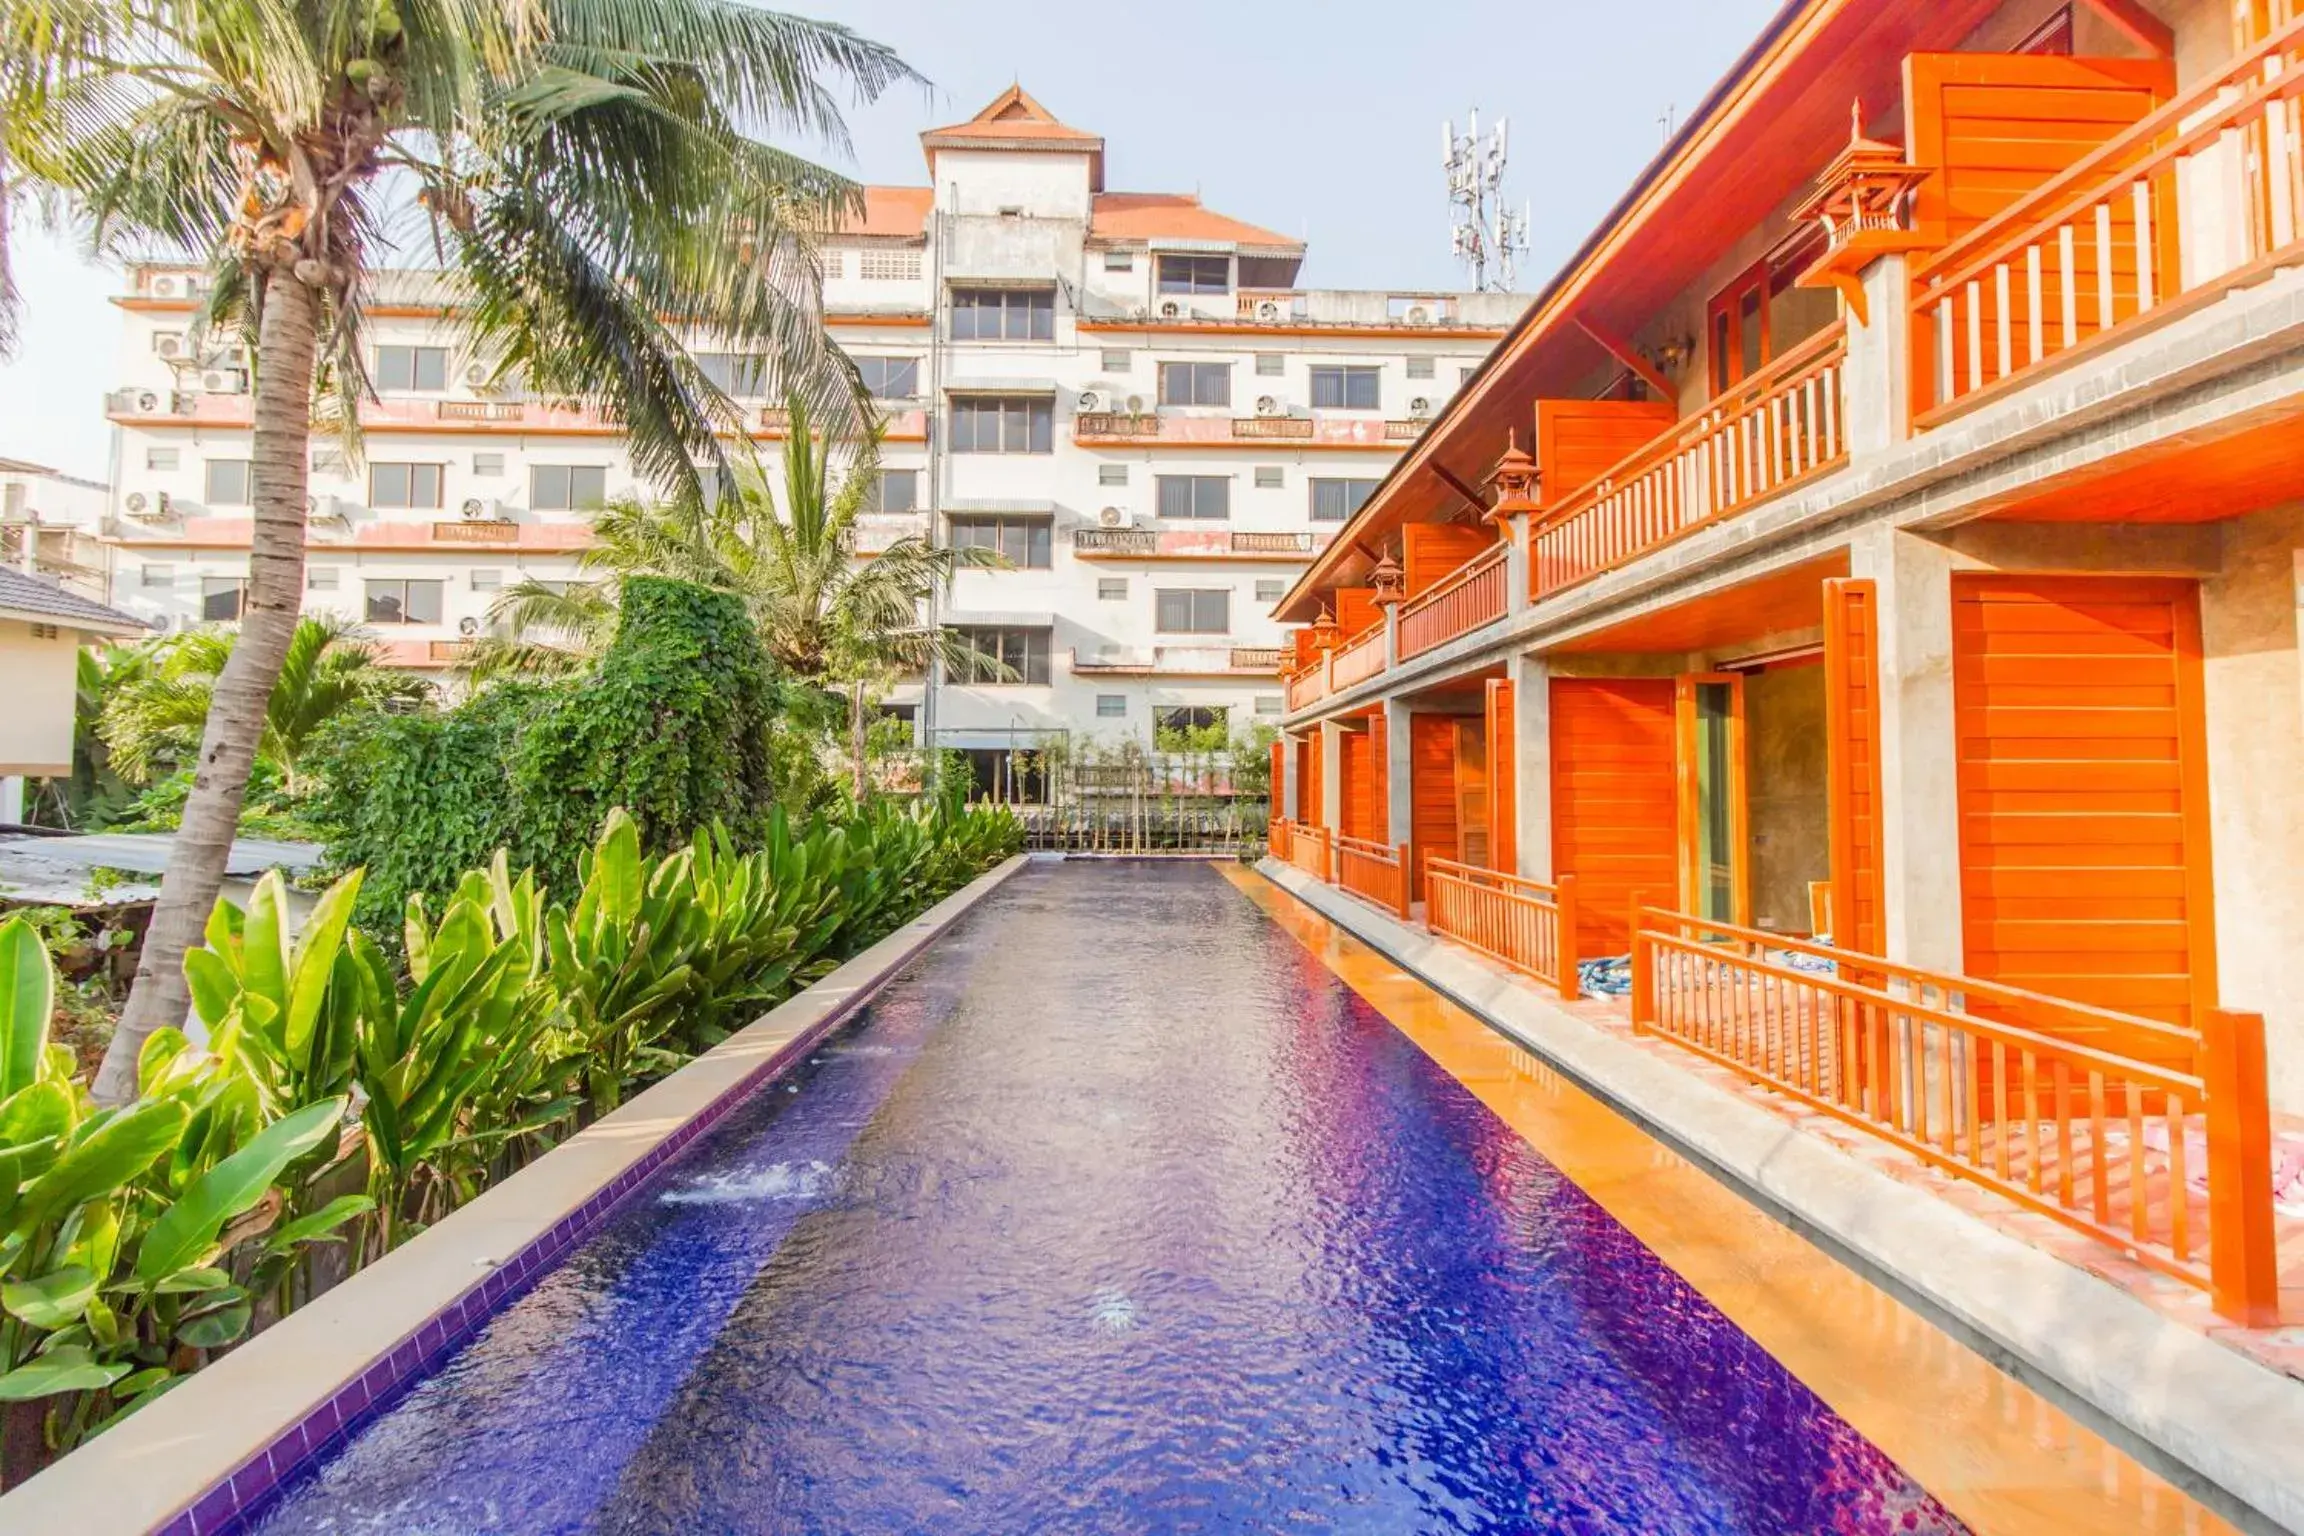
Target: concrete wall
(2255,717)
(1784,774)
(41,671)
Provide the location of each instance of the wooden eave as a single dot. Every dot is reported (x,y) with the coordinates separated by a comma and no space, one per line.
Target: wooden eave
(1774,121)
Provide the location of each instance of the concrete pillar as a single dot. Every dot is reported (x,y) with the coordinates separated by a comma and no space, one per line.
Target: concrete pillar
(1399,802)
(1919,786)
(1516,564)
(1532,763)
(1287,795)
(12,798)
(1332,776)
(1876,382)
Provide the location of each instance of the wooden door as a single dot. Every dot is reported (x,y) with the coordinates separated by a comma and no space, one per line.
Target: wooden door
(1431,790)
(1356,766)
(1311,798)
(2084,844)
(1615,808)
(1852,764)
(1712,816)
(1472,791)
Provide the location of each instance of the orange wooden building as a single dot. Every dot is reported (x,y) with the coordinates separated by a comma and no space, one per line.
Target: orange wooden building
(1888,527)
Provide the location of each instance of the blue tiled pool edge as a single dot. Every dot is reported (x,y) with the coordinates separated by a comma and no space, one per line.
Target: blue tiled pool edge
(240,1491)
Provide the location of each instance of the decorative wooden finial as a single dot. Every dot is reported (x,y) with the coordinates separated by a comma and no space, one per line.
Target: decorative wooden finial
(1514,479)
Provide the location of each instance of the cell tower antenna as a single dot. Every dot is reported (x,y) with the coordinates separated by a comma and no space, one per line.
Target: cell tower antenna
(1483,234)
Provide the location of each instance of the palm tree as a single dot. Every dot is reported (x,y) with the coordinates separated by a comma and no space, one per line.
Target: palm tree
(825,615)
(585,177)
(155,714)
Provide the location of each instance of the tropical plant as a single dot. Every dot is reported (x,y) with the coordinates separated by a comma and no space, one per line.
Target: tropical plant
(153,713)
(584,170)
(826,615)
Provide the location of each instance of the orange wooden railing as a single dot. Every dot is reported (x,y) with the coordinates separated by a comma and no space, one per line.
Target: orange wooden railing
(1525,924)
(1374,872)
(2204,195)
(1358,659)
(2091,1117)
(1309,851)
(1309,686)
(1276,829)
(1460,602)
(1779,427)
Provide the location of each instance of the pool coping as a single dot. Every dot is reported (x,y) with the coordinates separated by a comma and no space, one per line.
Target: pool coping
(210,1450)
(2212,1421)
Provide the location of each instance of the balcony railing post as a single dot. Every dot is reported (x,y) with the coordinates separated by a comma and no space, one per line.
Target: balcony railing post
(1328,856)
(2244,1278)
(1407,905)
(1643,994)
(1564,938)
(1516,588)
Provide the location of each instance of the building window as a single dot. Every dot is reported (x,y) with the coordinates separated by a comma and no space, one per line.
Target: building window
(411,368)
(321,578)
(1335,500)
(1119,261)
(993,424)
(404,602)
(1192,611)
(487,579)
(1195,383)
(227,482)
(160,458)
(1195,274)
(1271,589)
(1022,541)
(489,464)
(566,487)
(156,576)
(734,373)
(1111,706)
(1419,367)
(330,461)
(1111,474)
(1023,652)
(893,490)
(1201,497)
(1271,365)
(404,485)
(1190,728)
(1117,361)
(1111,589)
(890,378)
(1464,374)
(1270,477)
(1003,314)
(1347,387)
(880,265)
(222,598)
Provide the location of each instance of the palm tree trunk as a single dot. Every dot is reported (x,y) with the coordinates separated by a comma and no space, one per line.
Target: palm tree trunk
(856,735)
(283,429)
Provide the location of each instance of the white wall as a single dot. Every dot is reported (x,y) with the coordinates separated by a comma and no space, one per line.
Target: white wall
(41,673)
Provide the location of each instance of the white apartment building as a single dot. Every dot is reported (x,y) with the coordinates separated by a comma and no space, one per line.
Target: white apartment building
(1125,393)
(51,524)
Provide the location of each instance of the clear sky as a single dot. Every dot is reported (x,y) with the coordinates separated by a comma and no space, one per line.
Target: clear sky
(1317,120)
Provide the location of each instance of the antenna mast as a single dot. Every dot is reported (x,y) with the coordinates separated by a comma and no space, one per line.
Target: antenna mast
(1482,234)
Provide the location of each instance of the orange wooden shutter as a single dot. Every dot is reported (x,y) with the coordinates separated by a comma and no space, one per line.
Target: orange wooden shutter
(1615,807)
(1380,778)
(1429,551)
(1503,780)
(1431,789)
(1352,765)
(1311,804)
(1852,762)
(2084,860)
(1578,441)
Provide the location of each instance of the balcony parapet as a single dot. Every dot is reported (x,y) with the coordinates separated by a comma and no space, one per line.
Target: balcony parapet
(1193,544)
(572,418)
(1149,430)
(1180,661)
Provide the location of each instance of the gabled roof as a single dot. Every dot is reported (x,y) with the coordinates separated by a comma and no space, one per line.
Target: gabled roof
(895,212)
(1013,120)
(1177,216)
(37,599)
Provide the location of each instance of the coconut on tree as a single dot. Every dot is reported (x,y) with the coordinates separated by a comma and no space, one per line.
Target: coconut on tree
(593,182)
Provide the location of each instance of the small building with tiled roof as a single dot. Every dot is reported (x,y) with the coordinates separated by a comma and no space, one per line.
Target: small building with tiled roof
(42,627)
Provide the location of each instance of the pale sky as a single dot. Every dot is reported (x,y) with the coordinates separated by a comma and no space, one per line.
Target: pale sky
(1316,120)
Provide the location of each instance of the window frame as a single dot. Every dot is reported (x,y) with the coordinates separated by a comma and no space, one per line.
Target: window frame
(247,471)
(876,499)
(369,594)
(1027,634)
(1038,413)
(1343,377)
(1035,536)
(1195,622)
(903,367)
(569,503)
(1316,482)
(1195,269)
(416,353)
(1196,488)
(1205,383)
(212,587)
(408,468)
(1037,305)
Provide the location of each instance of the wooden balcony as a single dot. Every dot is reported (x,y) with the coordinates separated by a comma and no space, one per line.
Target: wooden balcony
(477,530)
(1193,544)
(1474,596)
(1782,426)
(2200,197)
(1272,426)
(1307,688)
(1358,659)
(1143,429)
(478,410)
(1115,424)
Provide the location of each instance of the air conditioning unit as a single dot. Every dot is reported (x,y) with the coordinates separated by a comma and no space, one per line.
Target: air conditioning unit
(325,509)
(477,375)
(1268,309)
(1112,517)
(468,627)
(144,508)
(170,344)
(167,286)
(1418,315)
(1135,405)
(223,381)
(1091,401)
(1171,310)
(147,402)
(1420,406)
(1269,405)
(474,509)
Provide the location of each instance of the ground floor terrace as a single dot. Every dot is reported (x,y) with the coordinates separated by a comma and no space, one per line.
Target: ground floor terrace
(1124,1196)
(1982,842)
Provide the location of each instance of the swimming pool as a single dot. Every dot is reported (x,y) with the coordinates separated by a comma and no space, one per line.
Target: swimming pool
(1116,1211)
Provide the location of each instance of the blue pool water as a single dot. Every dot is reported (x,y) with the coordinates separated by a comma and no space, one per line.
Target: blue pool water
(1117,1213)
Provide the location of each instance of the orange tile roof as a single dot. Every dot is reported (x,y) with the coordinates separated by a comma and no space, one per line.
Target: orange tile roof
(1174,216)
(900,212)
(1013,120)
